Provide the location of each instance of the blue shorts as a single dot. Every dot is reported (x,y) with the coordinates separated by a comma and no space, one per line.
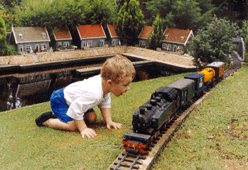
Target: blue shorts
(60,107)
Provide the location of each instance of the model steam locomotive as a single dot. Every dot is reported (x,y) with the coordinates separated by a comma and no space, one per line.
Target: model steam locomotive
(150,119)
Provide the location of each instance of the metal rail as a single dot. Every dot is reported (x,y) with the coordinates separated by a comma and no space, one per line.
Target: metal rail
(122,162)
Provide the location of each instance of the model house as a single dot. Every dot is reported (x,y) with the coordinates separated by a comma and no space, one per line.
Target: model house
(63,39)
(31,39)
(176,39)
(144,35)
(91,35)
(115,39)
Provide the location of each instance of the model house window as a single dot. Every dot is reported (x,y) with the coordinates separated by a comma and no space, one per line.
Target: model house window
(102,43)
(21,48)
(143,43)
(166,36)
(113,42)
(89,43)
(168,47)
(84,44)
(37,47)
(43,47)
(164,45)
(175,48)
(60,44)
(180,48)
(66,44)
(27,48)
(182,38)
(44,35)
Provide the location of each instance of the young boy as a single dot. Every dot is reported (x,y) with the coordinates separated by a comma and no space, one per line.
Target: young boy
(72,105)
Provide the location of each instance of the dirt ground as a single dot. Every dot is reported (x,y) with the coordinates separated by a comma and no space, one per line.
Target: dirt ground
(92,52)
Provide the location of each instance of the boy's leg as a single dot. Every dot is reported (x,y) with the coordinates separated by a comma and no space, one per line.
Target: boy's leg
(89,117)
(58,124)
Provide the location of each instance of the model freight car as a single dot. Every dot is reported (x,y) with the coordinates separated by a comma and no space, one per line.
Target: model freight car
(150,120)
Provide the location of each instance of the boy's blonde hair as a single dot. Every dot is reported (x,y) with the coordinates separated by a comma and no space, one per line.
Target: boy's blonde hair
(117,67)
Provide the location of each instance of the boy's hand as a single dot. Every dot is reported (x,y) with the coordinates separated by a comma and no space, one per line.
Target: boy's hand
(90,133)
(114,125)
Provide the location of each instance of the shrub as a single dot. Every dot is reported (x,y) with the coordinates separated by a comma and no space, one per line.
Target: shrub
(214,43)
(8,50)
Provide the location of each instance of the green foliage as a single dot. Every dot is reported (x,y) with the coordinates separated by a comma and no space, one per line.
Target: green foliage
(9,3)
(53,14)
(214,43)
(214,136)
(102,11)
(186,19)
(2,31)
(243,32)
(155,37)
(8,50)
(8,8)
(232,10)
(161,7)
(246,43)
(130,21)
(4,48)
(188,14)
(46,148)
(56,14)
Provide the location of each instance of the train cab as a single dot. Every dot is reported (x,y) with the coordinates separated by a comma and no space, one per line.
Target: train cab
(186,89)
(199,82)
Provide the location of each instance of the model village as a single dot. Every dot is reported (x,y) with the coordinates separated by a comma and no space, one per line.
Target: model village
(149,122)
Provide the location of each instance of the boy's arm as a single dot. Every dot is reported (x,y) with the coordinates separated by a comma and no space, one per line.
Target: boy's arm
(84,130)
(106,114)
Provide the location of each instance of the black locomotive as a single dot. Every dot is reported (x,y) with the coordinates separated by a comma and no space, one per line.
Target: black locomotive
(150,119)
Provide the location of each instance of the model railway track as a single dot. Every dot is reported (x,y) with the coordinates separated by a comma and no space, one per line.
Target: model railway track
(129,161)
(143,162)
(236,65)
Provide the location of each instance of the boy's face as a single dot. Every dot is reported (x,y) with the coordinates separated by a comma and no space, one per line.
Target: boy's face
(123,86)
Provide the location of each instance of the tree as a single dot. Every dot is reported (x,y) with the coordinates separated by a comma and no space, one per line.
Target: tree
(214,43)
(53,14)
(130,21)
(233,10)
(187,15)
(161,7)
(155,37)
(2,31)
(102,11)
(4,48)
(181,14)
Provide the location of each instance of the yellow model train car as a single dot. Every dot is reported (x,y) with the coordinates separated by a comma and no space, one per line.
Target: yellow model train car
(209,74)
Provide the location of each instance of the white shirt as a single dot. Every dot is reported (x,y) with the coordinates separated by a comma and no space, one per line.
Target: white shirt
(83,95)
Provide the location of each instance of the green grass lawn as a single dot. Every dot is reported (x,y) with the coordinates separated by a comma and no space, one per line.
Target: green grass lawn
(210,138)
(214,136)
(26,146)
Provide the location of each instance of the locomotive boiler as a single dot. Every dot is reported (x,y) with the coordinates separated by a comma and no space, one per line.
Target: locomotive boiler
(150,119)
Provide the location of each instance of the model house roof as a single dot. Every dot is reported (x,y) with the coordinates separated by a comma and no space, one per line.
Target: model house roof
(30,34)
(145,32)
(62,34)
(91,31)
(112,32)
(178,36)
